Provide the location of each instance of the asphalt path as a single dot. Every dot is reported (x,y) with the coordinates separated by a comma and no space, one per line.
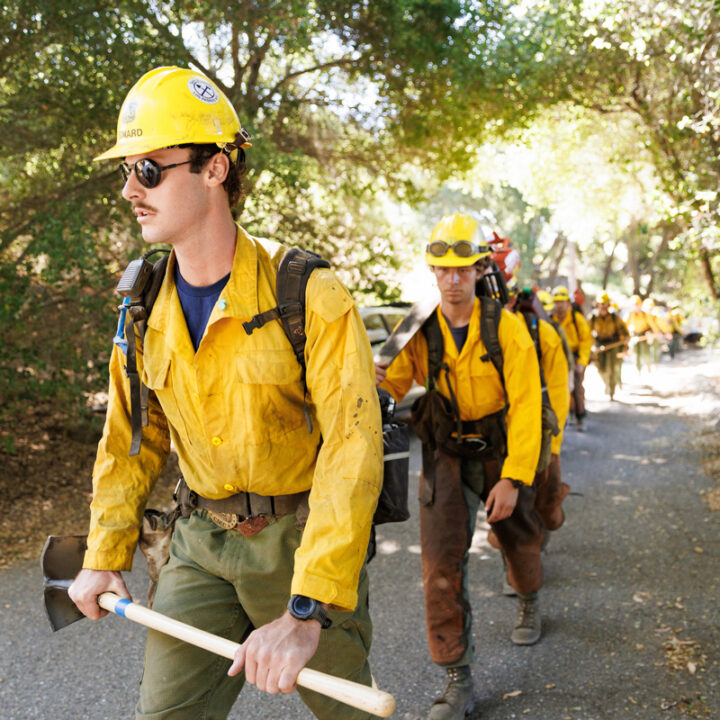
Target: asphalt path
(630,605)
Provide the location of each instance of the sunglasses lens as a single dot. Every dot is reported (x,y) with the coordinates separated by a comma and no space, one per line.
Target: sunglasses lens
(148,172)
(438,248)
(125,171)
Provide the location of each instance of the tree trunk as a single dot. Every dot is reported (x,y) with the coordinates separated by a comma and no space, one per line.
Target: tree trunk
(608,264)
(706,264)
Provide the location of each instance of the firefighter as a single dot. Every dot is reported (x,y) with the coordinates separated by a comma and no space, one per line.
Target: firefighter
(641,333)
(580,340)
(611,338)
(480,430)
(554,354)
(234,407)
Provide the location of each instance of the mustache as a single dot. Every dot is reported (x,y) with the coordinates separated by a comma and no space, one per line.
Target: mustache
(141,206)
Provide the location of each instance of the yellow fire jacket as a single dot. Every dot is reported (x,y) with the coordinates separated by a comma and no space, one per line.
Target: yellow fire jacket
(555,369)
(638,322)
(234,413)
(677,321)
(477,385)
(580,340)
(607,327)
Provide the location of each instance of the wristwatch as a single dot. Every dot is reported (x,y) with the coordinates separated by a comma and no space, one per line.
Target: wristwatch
(305,608)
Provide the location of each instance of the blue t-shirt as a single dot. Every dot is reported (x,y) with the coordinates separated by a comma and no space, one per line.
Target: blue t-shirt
(459,335)
(197,304)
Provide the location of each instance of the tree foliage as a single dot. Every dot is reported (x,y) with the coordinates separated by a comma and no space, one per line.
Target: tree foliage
(340,97)
(660,62)
(352,106)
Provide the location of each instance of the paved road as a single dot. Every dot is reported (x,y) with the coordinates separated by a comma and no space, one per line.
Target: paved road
(630,605)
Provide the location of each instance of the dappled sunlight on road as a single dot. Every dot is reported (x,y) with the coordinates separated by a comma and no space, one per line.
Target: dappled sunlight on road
(669,386)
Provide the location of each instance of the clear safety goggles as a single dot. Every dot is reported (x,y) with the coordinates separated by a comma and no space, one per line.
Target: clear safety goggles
(147,171)
(461,248)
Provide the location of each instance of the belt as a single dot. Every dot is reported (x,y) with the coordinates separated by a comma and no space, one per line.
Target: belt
(240,508)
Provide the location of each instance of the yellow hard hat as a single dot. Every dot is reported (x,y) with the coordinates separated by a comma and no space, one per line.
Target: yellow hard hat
(604,298)
(171,106)
(546,299)
(635,300)
(648,304)
(560,292)
(456,241)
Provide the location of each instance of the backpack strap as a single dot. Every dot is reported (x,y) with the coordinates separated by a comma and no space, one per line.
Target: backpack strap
(436,349)
(291,282)
(533,325)
(490,313)
(140,284)
(436,353)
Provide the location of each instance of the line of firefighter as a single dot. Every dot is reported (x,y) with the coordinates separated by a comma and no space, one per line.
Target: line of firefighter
(649,330)
(491,433)
(288,580)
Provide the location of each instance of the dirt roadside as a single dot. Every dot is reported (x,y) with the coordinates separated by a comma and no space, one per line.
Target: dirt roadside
(46,461)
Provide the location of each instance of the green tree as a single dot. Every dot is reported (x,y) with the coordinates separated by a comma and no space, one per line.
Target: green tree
(346,102)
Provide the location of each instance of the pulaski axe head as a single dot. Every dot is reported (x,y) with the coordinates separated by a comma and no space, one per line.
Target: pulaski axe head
(62,559)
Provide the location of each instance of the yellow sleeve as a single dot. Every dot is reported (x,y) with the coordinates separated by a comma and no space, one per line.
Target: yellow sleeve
(348,473)
(522,384)
(122,484)
(555,369)
(623,331)
(410,364)
(584,340)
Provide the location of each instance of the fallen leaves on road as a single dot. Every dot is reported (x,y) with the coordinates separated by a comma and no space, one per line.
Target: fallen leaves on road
(684,655)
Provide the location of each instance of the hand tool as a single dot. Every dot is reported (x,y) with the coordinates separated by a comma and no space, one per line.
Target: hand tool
(61,561)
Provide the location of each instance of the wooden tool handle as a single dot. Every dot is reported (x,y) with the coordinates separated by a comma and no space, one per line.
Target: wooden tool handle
(351,693)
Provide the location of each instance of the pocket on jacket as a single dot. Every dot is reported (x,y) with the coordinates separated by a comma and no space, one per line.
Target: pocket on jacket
(270,395)
(267,367)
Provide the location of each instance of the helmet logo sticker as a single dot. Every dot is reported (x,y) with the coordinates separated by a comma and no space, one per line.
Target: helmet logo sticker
(203,90)
(129,112)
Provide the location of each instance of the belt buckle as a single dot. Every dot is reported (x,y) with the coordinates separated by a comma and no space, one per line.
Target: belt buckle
(479,442)
(227,521)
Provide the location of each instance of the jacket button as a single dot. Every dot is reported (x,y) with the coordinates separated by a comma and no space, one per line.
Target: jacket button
(216,441)
(228,487)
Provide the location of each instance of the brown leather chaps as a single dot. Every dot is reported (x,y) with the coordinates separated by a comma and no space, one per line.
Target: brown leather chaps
(446,533)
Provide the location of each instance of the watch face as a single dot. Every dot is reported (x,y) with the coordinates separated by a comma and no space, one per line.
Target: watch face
(303,605)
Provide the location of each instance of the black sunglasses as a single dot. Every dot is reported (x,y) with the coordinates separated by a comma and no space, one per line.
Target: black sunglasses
(147,171)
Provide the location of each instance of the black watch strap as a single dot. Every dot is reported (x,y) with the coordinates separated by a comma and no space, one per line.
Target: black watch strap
(305,608)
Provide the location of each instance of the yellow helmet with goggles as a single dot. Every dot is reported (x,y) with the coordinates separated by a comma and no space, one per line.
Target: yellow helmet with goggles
(171,106)
(604,299)
(560,293)
(456,241)
(546,299)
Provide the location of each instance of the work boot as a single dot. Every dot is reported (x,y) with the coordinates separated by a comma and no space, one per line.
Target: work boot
(456,702)
(527,625)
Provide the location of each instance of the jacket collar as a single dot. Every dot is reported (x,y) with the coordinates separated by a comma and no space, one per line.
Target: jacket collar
(240,293)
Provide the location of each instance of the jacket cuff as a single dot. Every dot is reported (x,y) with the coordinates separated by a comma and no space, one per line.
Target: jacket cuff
(517,472)
(324,591)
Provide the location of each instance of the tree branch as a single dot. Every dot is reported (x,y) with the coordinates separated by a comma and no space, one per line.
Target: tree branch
(340,62)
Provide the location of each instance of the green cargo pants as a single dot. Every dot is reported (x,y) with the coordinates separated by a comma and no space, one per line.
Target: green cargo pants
(229,584)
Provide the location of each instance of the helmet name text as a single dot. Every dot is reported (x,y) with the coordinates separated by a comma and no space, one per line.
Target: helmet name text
(133,132)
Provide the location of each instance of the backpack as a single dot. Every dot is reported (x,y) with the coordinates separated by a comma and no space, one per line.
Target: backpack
(140,285)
